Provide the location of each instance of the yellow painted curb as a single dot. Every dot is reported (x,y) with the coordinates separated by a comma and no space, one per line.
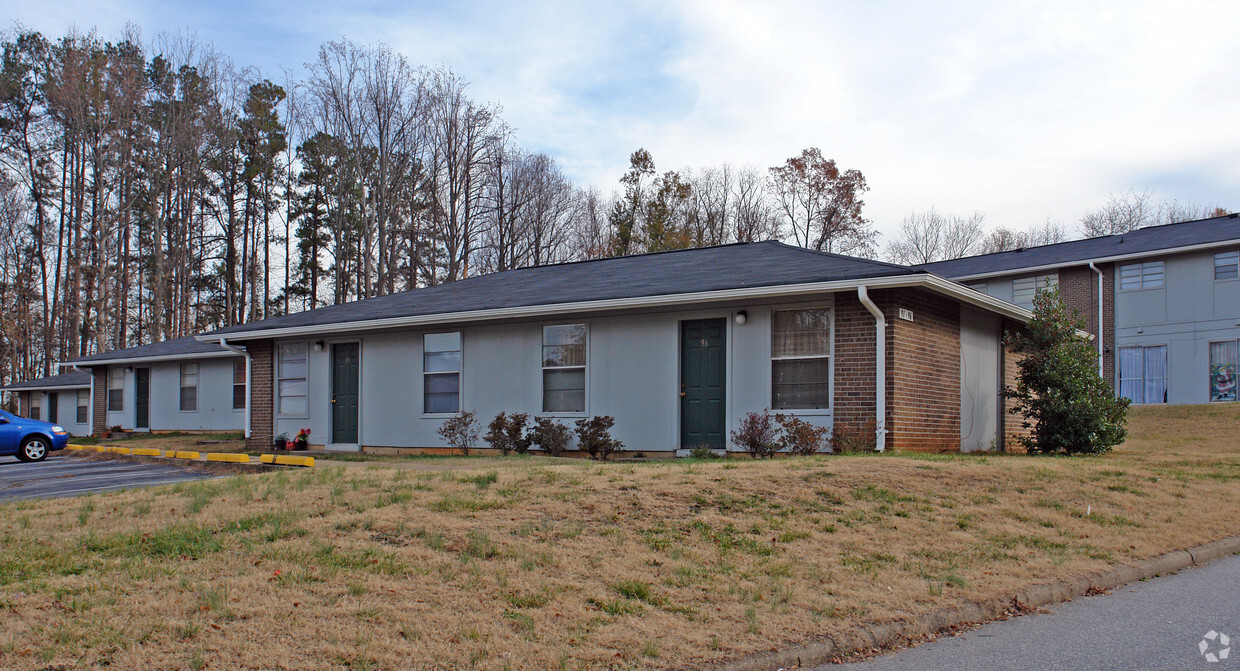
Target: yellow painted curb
(79,447)
(287,460)
(101,448)
(119,450)
(145,452)
(227,457)
(181,454)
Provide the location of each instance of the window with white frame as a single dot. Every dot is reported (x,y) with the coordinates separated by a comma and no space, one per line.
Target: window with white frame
(116,389)
(564,368)
(1143,374)
(1025,288)
(1148,275)
(801,359)
(189,387)
(441,372)
(1224,357)
(239,389)
(83,406)
(291,387)
(35,412)
(1226,265)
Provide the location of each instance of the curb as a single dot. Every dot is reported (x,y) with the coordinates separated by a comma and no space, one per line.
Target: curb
(190,455)
(868,637)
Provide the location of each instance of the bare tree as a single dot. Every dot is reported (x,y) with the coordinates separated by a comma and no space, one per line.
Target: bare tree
(822,204)
(1123,212)
(925,237)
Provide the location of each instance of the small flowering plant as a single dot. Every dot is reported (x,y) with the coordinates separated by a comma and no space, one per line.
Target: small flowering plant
(302,440)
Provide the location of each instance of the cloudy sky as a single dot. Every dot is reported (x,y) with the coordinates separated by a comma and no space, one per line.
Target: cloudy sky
(1022,110)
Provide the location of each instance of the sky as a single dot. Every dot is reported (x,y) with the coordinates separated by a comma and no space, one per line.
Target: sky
(1023,111)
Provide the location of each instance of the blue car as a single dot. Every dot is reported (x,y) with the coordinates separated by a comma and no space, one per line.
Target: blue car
(30,439)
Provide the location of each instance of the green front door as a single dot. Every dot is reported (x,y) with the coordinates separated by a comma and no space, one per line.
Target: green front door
(142,398)
(703,357)
(345,361)
(53,407)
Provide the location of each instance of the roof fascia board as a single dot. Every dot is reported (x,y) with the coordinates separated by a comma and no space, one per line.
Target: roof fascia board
(779,291)
(53,388)
(1101,259)
(146,359)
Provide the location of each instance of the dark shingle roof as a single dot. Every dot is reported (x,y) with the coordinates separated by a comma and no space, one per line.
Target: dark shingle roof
(186,347)
(63,381)
(1140,241)
(667,273)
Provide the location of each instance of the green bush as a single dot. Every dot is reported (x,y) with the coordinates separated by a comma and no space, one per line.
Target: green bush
(550,435)
(1069,406)
(506,433)
(594,436)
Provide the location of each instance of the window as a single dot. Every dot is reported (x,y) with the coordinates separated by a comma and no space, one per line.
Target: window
(239,399)
(189,387)
(1227,265)
(1223,364)
(116,389)
(35,412)
(441,372)
(1141,276)
(800,359)
(1024,289)
(291,386)
(1143,374)
(564,368)
(83,406)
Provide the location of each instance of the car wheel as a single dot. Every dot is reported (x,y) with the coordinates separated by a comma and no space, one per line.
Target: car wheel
(35,448)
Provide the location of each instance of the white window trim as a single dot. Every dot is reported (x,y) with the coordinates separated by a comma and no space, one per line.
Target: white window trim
(78,406)
(1215,266)
(830,356)
(1166,377)
(280,377)
(1210,364)
(542,378)
(181,385)
(460,378)
(1141,273)
(35,404)
(107,401)
(235,384)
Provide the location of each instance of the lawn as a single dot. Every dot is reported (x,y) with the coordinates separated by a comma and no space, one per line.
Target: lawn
(530,563)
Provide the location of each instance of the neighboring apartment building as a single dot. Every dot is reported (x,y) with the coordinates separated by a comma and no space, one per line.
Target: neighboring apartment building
(1168,297)
(676,346)
(174,385)
(60,399)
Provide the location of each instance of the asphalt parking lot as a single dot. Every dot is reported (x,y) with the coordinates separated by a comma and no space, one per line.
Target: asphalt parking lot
(62,475)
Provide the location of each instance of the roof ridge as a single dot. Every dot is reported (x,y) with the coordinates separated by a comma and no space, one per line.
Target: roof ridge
(836,255)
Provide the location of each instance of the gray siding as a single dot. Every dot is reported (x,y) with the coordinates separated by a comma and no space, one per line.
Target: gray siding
(632,374)
(1186,314)
(980,358)
(215,398)
(66,408)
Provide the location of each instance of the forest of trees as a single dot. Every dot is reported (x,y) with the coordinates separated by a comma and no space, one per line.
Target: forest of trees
(152,191)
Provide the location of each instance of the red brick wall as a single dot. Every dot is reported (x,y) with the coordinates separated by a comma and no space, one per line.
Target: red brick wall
(1079,288)
(262,395)
(923,371)
(99,400)
(23,401)
(854,398)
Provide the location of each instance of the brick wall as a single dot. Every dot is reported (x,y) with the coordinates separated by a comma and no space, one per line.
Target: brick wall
(854,398)
(1079,288)
(99,400)
(262,395)
(23,401)
(923,371)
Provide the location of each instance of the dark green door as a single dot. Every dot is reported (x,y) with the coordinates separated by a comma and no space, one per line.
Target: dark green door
(345,361)
(142,398)
(703,358)
(53,407)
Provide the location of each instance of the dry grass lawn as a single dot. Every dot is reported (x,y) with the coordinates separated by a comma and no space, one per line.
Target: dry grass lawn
(540,564)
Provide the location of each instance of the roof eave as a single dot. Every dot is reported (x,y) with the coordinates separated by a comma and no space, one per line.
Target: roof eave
(923,279)
(1186,249)
(80,363)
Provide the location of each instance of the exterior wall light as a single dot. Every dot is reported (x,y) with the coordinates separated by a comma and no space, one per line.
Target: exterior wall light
(741,317)
(318,346)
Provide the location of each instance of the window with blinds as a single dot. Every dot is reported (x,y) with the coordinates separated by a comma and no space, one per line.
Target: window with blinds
(564,368)
(801,359)
(1025,288)
(1147,275)
(441,373)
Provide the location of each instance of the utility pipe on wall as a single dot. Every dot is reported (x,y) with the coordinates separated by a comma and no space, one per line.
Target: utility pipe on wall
(248,389)
(880,369)
(1101,331)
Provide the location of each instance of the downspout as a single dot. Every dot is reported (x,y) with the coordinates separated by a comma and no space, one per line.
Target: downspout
(1101,331)
(880,369)
(90,407)
(248,390)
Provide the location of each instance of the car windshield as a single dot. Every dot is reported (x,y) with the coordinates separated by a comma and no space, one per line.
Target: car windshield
(7,415)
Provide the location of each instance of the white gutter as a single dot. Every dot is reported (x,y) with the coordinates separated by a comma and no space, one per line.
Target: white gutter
(1101,259)
(1101,329)
(145,359)
(923,280)
(237,350)
(880,368)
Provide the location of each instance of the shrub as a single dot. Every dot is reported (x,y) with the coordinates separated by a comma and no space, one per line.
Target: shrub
(702,452)
(1071,409)
(757,435)
(851,438)
(461,432)
(801,437)
(506,433)
(594,436)
(550,435)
